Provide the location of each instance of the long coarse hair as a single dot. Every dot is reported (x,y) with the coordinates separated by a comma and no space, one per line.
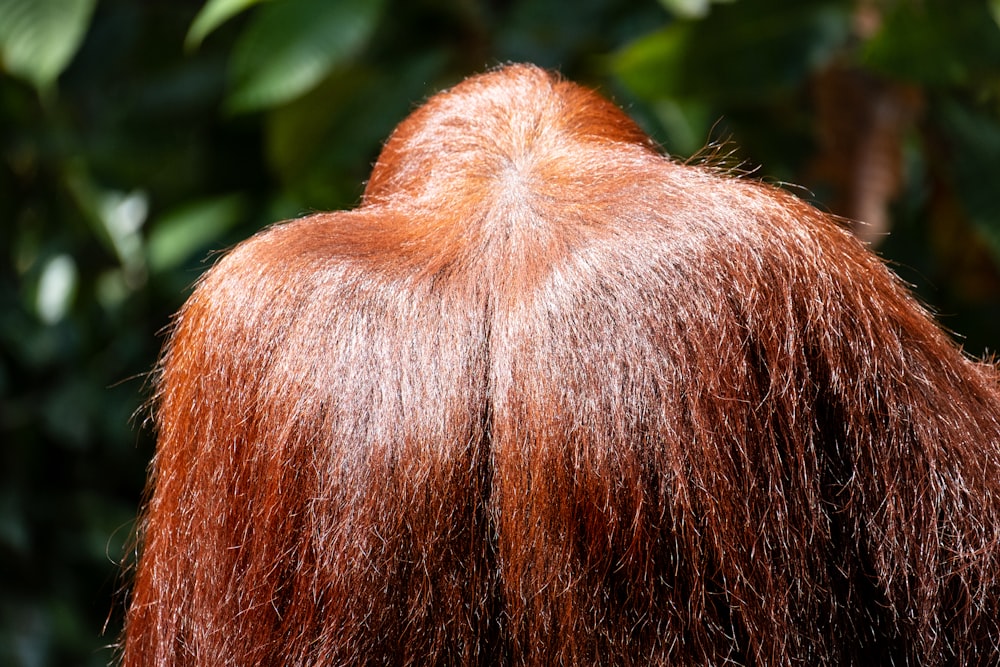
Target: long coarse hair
(548,396)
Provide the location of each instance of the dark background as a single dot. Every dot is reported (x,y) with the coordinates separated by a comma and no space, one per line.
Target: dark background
(135,140)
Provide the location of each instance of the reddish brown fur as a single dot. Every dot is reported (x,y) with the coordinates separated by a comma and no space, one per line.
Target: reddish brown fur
(549,397)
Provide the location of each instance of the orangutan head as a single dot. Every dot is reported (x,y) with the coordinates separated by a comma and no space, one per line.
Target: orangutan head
(550,397)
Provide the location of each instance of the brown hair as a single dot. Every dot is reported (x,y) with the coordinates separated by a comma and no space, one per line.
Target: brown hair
(550,397)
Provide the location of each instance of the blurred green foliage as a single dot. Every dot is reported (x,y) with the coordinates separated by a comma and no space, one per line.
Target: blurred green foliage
(138,137)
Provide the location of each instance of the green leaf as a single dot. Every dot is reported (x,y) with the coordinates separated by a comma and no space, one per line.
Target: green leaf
(937,44)
(330,136)
(291,46)
(177,236)
(686,125)
(38,38)
(650,66)
(739,52)
(56,288)
(995,10)
(213,14)
(689,9)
